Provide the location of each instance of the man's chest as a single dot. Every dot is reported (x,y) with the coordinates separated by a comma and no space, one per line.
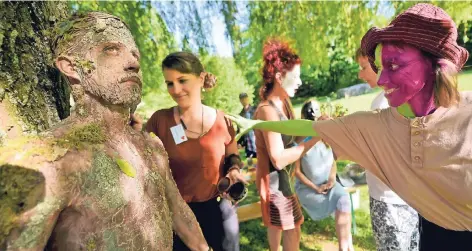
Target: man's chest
(114,209)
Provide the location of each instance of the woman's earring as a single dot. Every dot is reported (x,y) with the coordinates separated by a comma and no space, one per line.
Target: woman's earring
(203,89)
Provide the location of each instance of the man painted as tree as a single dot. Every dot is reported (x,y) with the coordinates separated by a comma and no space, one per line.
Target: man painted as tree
(93,182)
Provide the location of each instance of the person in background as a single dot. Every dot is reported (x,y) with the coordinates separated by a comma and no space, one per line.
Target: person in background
(248,141)
(281,211)
(201,147)
(316,186)
(394,222)
(420,146)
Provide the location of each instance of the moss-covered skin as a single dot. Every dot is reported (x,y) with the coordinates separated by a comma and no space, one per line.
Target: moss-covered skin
(96,205)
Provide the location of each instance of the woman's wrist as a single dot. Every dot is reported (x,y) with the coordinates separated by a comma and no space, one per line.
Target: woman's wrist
(331,180)
(233,161)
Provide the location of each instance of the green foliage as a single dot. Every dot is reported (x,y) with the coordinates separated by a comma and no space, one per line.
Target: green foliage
(230,83)
(458,10)
(336,110)
(325,34)
(149,25)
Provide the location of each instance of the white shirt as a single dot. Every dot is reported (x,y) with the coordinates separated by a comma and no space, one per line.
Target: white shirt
(377,189)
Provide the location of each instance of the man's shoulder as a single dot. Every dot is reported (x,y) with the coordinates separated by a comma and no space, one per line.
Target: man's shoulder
(42,156)
(31,150)
(65,147)
(366,119)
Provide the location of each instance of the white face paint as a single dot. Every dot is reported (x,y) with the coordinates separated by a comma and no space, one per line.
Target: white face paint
(316,109)
(292,81)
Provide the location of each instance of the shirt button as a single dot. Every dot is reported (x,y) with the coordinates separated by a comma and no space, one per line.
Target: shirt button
(417,133)
(417,158)
(417,144)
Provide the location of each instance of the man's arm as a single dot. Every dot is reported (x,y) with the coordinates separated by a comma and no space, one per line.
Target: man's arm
(184,222)
(30,207)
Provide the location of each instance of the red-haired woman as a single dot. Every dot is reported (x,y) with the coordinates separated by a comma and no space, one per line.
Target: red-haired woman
(281,210)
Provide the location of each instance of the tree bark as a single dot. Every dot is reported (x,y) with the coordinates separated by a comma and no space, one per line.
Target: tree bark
(33,96)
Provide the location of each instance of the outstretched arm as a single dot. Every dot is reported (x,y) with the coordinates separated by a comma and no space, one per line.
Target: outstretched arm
(278,154)
(296,127)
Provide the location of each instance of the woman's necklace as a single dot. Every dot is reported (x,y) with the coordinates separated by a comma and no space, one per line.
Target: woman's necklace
(185,126)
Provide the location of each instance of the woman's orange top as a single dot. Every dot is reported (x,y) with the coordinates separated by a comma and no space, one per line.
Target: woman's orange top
(196,164)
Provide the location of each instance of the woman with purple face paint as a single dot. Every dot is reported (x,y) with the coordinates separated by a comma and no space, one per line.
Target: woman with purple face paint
(420,147)
(394,222)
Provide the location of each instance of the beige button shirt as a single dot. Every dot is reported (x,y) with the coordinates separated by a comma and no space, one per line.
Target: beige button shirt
(427,160)
(377,189)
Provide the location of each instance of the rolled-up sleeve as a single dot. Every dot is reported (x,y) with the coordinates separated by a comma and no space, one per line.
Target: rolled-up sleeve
(347,136)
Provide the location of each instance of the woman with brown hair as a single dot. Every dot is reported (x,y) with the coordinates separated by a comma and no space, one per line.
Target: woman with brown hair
(420,147)
(281,211)
(201,147)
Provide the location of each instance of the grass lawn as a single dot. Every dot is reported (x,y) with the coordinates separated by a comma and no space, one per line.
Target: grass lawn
(253,235)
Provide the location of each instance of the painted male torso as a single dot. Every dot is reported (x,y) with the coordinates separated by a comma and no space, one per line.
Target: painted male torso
(105,209)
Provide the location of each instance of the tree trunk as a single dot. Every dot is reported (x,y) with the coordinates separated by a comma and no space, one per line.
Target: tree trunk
(33,97)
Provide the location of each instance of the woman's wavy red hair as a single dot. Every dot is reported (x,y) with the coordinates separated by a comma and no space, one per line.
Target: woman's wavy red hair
(278,58)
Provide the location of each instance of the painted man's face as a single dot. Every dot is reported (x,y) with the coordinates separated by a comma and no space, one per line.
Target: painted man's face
(403,73)
(115,76)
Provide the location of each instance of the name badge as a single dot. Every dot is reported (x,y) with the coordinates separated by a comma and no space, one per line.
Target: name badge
(178,133)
